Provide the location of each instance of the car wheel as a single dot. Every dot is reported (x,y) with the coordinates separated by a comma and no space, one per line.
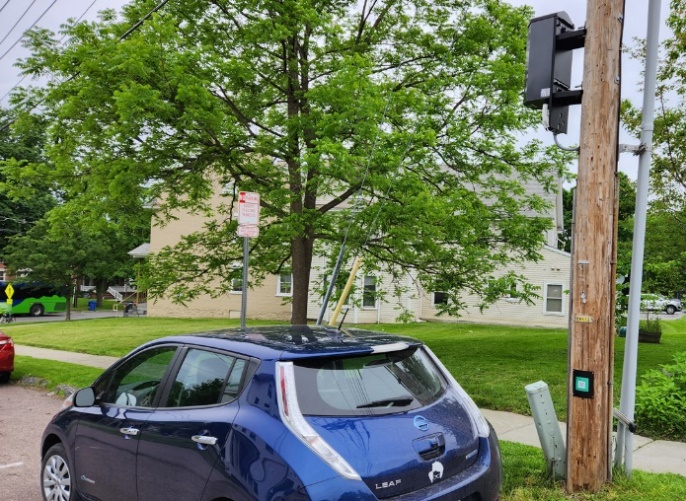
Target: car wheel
(670,309)
(57,481)
(36,310)
(4,377)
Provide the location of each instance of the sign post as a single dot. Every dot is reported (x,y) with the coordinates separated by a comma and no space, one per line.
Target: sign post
(9,292)
(248,219)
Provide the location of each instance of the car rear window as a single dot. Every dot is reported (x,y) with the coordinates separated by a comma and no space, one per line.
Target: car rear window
(383,383)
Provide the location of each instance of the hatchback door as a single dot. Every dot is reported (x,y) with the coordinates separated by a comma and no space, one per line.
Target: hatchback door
(391,416)
(182,441)
(404,452)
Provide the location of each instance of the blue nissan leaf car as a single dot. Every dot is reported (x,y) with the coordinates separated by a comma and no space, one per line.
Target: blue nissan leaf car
(279,413)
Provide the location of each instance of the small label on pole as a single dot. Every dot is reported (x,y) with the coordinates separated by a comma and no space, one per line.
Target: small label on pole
(248,231)
(584,319)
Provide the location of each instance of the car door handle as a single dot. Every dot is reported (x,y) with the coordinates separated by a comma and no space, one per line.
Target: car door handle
(204,440)
(129,431)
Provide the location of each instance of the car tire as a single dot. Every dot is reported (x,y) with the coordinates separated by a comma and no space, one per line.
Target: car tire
(670,309)
(4,377)
(57,480)
(36,310)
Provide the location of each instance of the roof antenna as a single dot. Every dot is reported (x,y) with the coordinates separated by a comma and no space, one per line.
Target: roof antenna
(345,313)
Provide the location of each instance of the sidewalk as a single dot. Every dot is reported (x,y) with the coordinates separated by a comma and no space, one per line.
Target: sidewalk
(65,356)
(656,456)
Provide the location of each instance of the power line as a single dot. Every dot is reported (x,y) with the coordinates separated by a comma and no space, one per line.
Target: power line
(18,20)
(30,27)
(4,5)
(34,24)
(126,34)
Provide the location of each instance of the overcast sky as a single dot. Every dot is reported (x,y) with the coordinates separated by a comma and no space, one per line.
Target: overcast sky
(55,12)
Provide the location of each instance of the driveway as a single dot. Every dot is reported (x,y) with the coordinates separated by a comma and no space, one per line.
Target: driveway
(20,451)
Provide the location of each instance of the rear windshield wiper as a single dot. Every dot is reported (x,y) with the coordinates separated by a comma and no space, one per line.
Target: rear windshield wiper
(388,402)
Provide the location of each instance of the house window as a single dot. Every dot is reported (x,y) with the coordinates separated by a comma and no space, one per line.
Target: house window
(440,298)
(236,285)
(553,298)
(369,292)
(284,286)
(2,274)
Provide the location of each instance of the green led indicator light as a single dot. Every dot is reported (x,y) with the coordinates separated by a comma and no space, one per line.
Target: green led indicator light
(583,383)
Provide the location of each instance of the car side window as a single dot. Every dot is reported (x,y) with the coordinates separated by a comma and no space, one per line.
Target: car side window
(136,382)
(206,378)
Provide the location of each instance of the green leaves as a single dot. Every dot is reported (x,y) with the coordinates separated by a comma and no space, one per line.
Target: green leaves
(661,400)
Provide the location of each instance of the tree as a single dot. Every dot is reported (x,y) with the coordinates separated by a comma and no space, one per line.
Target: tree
(23,146)
(80,238)
(665,265)
(665,251)
(412,107)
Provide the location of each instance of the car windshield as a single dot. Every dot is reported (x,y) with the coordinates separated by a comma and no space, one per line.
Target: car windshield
(383,383)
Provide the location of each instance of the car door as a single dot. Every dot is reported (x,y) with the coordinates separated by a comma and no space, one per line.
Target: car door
(107,436)
(180,443)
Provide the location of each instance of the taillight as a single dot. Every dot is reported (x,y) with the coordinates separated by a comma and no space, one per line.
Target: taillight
(295,421)
(6,344)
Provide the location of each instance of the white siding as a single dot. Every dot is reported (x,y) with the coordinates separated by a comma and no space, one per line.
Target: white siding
(554,268)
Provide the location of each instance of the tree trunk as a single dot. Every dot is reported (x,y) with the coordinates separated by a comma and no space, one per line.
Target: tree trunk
(302,264)
(100,289)
(70,289)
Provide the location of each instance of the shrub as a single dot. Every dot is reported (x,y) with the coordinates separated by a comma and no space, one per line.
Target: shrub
(661,401)
(650,325)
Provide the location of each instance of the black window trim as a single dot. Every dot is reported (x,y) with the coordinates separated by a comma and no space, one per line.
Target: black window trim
(167,381)
(171,375)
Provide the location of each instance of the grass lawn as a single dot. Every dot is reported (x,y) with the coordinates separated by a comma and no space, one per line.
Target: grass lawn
(493,363)
(526,480)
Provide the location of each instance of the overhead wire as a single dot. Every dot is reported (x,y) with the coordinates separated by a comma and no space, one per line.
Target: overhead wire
(18,21)
(78,19)
(30,27)
(4,5)
(126,34)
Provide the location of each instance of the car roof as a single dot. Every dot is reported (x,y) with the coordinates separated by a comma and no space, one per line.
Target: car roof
(285,342)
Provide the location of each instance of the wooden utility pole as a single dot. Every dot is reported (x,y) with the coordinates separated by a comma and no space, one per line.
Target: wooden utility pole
(591,340)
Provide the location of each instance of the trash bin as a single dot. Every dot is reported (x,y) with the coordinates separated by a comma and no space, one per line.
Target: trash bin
(92,305)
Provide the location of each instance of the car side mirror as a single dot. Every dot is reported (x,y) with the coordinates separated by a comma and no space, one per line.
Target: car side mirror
(85,397)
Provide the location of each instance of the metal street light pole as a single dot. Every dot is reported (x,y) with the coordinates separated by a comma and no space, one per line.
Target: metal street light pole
(628,399)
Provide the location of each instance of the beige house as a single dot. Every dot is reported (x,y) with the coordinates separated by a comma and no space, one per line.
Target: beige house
(270,301)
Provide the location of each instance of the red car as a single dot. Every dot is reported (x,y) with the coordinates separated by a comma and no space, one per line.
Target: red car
(6,357)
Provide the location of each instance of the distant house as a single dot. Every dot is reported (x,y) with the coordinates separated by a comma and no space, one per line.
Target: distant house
(270,301)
